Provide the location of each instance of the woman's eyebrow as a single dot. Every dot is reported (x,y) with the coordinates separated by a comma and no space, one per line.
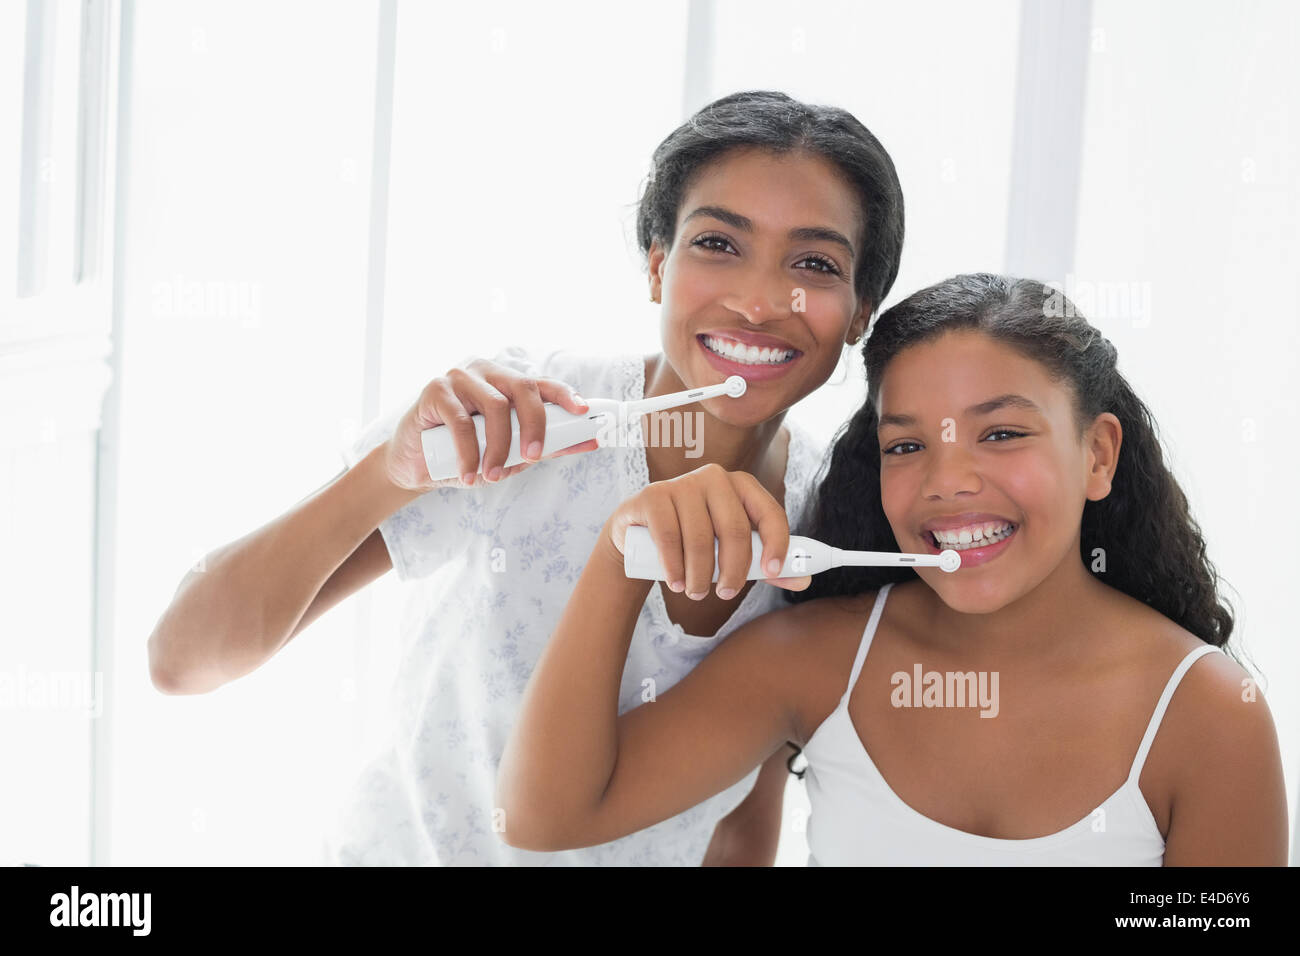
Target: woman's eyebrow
(745,224)
(1009,400)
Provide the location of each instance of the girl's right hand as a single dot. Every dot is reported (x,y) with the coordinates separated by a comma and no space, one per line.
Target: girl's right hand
(490,389)
(691,515)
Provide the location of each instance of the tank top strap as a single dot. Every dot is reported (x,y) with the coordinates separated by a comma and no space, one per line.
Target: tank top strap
(867,634)
(1154,724)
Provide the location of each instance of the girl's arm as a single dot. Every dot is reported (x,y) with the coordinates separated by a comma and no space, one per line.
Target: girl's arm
(1229,806)
(574,773)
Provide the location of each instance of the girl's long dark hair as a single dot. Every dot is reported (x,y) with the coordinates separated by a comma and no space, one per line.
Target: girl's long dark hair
(1153,548)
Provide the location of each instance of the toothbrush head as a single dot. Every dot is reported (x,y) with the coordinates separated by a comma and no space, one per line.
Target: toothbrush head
(736,385)
(949,560)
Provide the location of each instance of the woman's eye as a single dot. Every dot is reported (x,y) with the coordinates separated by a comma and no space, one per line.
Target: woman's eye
(829,269)
(1005,431)
(893,449)
(705,240)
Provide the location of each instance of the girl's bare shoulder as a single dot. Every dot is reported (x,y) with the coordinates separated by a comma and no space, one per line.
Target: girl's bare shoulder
(1216,707)
(815,643)
(1144,640)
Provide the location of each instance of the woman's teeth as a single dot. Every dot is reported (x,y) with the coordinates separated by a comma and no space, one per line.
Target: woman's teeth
(973,536)
(747,354)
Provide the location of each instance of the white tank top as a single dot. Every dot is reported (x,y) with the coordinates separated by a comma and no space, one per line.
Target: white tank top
(857,819)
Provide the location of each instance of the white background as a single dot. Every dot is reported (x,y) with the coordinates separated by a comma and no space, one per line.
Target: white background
(521,134)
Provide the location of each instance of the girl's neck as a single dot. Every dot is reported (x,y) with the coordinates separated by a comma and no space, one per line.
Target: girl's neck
(1046,620)
(735,448)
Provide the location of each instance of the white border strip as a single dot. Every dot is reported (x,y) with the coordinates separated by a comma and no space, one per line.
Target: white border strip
(697,84)
(380,163)
(37,134)
(1047,147)
(117,125)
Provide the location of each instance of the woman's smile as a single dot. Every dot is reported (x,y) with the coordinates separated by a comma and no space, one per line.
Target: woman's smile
(759,364)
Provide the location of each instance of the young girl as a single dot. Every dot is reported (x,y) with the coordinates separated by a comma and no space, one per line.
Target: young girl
(772,229)
(1083,622)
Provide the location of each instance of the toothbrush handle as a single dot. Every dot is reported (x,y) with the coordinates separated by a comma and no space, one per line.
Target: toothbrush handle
(803,556)
(563,428)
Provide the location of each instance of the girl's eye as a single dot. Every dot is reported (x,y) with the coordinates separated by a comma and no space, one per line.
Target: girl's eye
(893,449)
(831,268)
(704,240)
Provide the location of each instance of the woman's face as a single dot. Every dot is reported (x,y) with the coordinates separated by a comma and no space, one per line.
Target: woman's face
(977,441)
(764,255)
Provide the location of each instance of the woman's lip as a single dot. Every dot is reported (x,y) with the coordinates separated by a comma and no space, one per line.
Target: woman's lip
(751,373)
(973,557)
(752,338)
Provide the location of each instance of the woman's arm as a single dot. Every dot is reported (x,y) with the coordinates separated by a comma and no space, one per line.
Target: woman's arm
(750,834)
(1229,806)
(574,773)
(252,596)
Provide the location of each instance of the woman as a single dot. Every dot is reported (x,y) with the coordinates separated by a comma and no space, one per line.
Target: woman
(772,230)
(1084,620)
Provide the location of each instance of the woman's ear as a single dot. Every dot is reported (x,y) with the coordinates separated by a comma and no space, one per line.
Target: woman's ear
(1103,440)
(860,322)
(656,258)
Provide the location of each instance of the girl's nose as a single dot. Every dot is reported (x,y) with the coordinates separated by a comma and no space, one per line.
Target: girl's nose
(950,472)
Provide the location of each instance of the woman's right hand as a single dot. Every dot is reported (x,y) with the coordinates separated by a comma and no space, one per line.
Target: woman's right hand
(480,386)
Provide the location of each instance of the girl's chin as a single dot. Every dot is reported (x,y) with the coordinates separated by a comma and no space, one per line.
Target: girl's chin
(968,597)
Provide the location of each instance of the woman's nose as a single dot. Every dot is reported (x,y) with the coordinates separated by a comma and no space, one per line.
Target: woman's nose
(761,298)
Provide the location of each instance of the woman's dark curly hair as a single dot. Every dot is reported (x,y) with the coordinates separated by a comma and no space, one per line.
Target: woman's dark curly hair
(775,122)
(1153,547)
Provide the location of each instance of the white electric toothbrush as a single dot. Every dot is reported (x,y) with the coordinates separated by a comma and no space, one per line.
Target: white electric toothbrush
(563,428)
(803,556)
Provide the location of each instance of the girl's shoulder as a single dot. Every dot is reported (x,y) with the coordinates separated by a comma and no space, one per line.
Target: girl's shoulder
(1215,710)
(812,645)
(1146,640)
(1214,746)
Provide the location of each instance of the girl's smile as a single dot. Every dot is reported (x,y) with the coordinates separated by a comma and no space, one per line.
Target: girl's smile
(977,544)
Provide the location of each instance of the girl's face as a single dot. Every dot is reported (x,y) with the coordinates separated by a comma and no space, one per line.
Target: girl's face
(978,441)
(764,256)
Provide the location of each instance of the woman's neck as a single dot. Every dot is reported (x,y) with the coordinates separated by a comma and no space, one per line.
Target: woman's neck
(735,448)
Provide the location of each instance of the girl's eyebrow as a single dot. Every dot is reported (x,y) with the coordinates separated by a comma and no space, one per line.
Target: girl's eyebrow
(736,221)
(1010,400)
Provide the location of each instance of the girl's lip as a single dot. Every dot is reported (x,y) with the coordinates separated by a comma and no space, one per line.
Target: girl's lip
(751,373)
(973,557)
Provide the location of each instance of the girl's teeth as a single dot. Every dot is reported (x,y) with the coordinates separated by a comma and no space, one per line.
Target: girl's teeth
(976,536)
(748,354)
